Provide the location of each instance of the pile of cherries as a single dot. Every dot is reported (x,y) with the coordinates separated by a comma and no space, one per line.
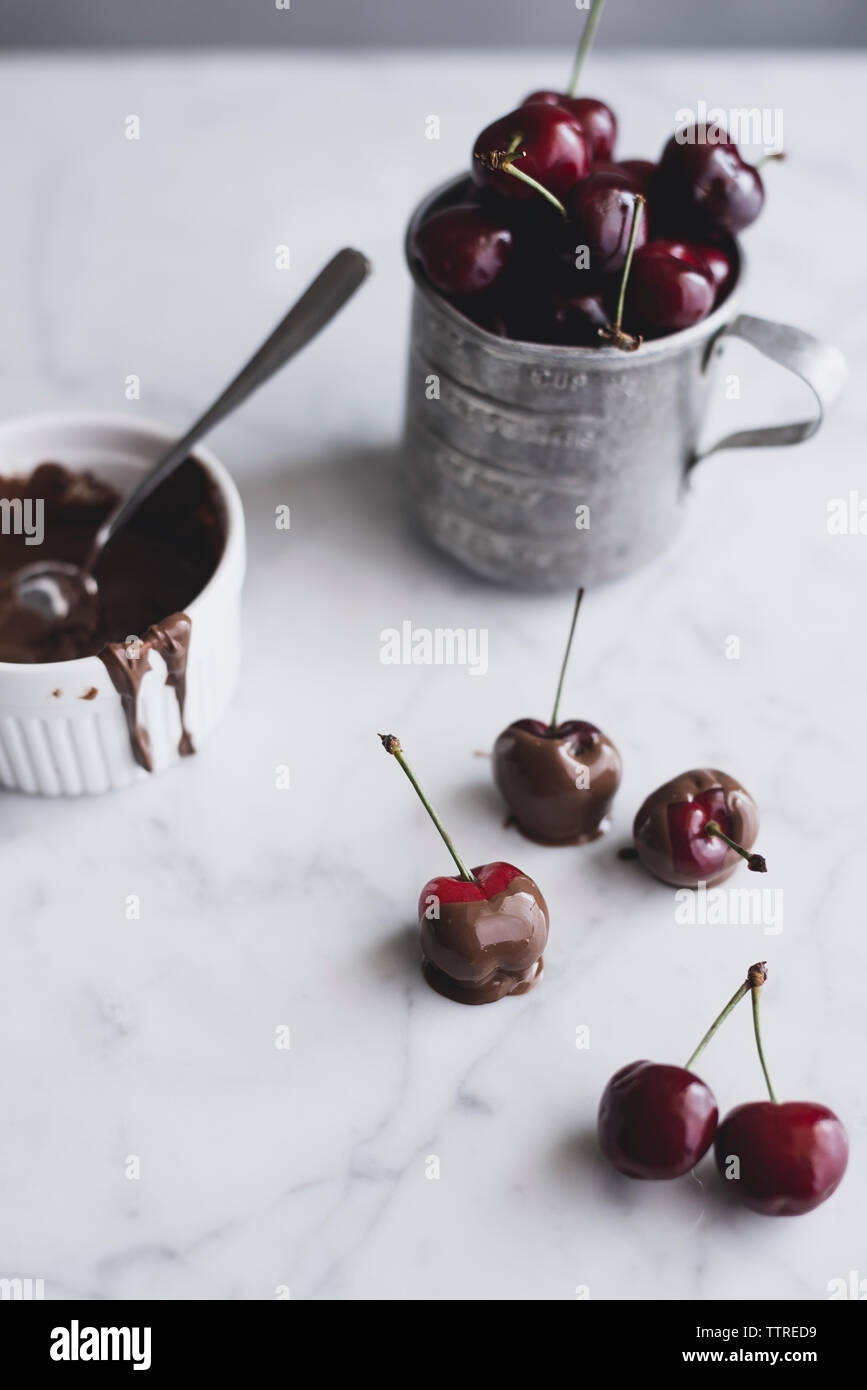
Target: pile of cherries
(552,240)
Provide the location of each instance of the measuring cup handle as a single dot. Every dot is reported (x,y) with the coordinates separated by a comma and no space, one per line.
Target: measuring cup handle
(820,365)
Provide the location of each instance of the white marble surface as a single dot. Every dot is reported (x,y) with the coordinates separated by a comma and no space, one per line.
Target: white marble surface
(305,1168)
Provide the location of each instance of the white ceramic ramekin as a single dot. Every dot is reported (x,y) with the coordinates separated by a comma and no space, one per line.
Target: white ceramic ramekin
(66,745)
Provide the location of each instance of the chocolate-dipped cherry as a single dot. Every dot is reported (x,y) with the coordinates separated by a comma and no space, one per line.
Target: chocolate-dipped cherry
(534,150)
(695,828)
(655,1120)
(780,1159)
(702,179)
(464,249)
(483,930)
(557,779)
(668,292)
(598,120)
(602,208)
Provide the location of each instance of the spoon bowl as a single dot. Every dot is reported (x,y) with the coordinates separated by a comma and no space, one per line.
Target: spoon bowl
(54,589)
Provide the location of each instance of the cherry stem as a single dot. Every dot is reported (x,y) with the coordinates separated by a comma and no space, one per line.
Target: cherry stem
(578,598)
(719,1020)
(756,987)
(587,37)
(637,215)
(510,168)
(615,335)
(766,158)
(501,162)
(755,862)
(392,746)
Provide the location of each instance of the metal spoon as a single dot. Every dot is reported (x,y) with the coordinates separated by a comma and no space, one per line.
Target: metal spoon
(54,588)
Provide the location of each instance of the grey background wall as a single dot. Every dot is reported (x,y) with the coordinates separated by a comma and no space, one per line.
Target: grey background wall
(636,23)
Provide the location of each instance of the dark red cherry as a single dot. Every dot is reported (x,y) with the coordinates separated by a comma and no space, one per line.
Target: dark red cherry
(598,120)
(719,263)
(702,178)
(543,142)
(601,208)
(575,319)
(666,293)
(656,1121)
(463,249)
(624,177)
(692,852)
(641,170)
(782,1160)
(702,255)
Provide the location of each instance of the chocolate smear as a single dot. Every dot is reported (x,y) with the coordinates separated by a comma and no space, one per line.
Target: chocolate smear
(128,663)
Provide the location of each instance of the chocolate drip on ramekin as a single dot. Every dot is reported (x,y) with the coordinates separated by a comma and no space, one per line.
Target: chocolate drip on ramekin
(127,664)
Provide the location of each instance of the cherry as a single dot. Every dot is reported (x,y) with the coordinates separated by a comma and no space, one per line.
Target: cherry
(576,319)
(536,149)
(692,829)
(701,177)
(463,249)
(656,1121)
(641,170)
(790,1157)
(482,931)
(780,1160)
(701,255)
(667,292)
(597,120)
(602,207)
(624,177)
(558,779)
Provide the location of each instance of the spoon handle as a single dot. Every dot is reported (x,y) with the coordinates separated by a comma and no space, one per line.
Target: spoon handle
(324,298)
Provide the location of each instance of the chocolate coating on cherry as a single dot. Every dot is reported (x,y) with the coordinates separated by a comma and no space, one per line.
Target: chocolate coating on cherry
(670,828)
(484,940)
(558,779)
(483,930)
(558,783)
